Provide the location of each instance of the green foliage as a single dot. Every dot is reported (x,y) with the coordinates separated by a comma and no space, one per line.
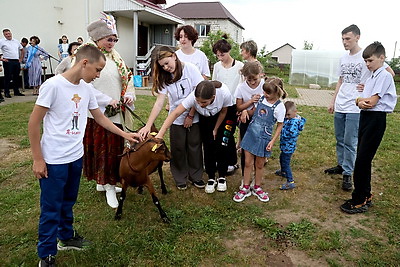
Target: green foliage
(395,64)
(308,46)
(212,38)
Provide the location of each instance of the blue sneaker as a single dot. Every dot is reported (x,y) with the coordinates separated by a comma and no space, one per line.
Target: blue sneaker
(287,186)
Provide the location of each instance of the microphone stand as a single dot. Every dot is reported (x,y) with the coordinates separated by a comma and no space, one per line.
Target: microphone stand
(50,57)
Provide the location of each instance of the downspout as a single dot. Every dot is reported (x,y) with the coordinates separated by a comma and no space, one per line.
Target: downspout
(135,40)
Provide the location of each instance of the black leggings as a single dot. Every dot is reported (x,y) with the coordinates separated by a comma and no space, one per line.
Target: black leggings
(218,153)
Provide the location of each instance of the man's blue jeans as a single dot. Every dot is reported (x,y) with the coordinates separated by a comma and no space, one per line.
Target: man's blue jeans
(346,132)
(284,160)
(58,195)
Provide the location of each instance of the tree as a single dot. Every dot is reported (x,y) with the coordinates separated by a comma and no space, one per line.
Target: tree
(395,63)
(212,38)
(308,46)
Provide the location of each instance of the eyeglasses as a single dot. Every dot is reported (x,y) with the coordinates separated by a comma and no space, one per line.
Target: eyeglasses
(110,40)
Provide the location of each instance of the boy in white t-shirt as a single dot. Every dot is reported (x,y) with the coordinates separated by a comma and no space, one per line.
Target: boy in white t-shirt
(62,105)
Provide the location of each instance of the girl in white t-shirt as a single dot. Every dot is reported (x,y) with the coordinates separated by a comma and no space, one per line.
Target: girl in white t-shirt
(177,80)
(187,36)
(227,70)
(214,103)
(259,138)
(247,95)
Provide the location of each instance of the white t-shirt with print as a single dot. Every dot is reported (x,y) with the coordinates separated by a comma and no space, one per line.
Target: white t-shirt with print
(198,58)
(244,92)
(65,122)
(179,90)
(229,76)
(353,71)
(279,111)
(223,98)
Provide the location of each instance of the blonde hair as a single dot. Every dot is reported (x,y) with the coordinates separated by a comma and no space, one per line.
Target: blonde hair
(274,85)
(252,69)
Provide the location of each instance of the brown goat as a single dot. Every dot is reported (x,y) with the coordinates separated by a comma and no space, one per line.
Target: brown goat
(137,163)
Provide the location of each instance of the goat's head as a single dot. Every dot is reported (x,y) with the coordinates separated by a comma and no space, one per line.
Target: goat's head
(160,149)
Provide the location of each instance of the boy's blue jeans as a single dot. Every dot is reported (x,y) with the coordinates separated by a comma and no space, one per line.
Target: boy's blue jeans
(57,197)
(346,132)
(284,160)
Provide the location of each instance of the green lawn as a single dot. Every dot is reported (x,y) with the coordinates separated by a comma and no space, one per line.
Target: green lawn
(302,227)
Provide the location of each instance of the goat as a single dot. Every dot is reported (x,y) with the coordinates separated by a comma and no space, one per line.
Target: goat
(137,163)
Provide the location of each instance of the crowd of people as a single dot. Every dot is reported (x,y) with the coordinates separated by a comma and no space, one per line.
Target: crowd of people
(204,112)
(28,57)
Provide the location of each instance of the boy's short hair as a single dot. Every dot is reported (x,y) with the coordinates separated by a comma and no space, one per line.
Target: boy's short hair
(374,49)
(90,52)
(290,105)
(352,28)
(251,47)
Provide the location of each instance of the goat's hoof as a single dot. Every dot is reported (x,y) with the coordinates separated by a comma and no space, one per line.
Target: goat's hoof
(117,217)
(164,192)
(166,220)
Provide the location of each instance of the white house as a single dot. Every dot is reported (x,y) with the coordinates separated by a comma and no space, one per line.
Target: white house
(283,54)
(141,24)
(208,17)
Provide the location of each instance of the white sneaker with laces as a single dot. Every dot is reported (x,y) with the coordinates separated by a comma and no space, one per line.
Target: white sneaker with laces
(210,187)
(221,186)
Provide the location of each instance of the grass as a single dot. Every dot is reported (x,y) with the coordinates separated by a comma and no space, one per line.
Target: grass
(300,227)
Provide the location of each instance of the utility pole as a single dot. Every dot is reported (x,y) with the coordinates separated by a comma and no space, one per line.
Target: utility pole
(394,52)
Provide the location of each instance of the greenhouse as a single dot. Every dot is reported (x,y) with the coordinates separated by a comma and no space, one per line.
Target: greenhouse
(315,67)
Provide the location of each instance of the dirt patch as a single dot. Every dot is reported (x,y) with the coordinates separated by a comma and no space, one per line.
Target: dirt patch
(6,147)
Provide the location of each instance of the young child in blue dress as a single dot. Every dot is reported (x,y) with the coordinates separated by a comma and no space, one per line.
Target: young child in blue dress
(259,139)
(292,126)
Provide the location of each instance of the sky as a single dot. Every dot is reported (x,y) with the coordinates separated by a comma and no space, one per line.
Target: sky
(274,23)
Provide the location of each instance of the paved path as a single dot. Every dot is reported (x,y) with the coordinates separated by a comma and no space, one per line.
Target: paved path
(308,97)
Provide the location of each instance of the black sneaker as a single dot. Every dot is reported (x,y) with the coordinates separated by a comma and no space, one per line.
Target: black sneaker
(49,261)
(77,242)
(181,187)
(334,170)
(346,184)
(199,184)
(351,208)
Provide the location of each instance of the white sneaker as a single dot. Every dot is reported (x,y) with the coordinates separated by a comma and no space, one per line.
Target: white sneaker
(101,188)
(111,196)
(221,186)
(210,187)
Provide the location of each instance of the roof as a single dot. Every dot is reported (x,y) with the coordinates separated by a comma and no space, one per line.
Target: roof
(283,46)
(203,10)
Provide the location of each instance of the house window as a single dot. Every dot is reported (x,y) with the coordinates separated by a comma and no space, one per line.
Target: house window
(203,29)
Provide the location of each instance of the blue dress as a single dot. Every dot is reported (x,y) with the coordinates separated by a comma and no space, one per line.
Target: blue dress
(34,64)
(259,132)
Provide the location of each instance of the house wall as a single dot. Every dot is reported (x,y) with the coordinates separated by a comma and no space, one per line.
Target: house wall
(41,18)
(284,54)
(217,24)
